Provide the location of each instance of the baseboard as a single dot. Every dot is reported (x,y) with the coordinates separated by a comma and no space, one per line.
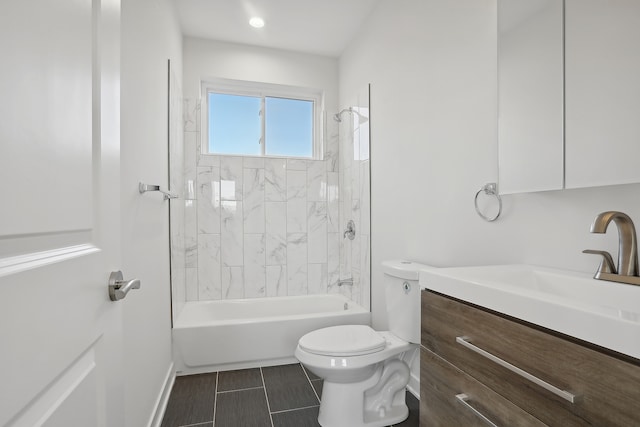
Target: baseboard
(235,366)
(412,359)
(414,386)
(163,398)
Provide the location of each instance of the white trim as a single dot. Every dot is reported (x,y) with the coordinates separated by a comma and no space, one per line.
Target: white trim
(163,398)
(251,88)
(412,359)
(263,125)
(262,363)
(262,90)
(414,386)
(33,260)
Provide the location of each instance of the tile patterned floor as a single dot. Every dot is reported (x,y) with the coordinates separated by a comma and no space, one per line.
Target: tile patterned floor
(275,396)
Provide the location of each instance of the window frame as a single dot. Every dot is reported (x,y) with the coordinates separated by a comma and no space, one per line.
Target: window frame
(263,90)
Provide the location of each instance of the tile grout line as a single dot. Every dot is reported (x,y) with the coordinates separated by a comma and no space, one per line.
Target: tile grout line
(215,400)
(295,409)
(310,383)
(266,396)
(195,425)
(239,389)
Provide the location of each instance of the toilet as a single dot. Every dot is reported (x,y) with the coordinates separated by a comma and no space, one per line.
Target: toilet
(365,371)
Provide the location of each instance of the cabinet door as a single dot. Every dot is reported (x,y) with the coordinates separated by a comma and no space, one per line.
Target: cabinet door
(449,397)
(530,96)
(605,387)
(602,89)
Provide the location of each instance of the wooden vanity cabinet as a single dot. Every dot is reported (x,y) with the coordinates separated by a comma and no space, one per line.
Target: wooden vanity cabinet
(606,387)
(441,398)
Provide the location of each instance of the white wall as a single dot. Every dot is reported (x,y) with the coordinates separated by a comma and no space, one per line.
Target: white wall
(432,65)
(150,36)
(206,58)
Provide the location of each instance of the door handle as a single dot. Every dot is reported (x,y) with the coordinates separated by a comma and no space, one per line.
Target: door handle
(119,288)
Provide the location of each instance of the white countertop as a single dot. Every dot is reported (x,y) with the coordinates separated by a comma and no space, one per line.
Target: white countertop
(600,312)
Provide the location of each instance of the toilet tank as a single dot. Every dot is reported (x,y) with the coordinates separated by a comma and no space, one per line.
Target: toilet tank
(403,298)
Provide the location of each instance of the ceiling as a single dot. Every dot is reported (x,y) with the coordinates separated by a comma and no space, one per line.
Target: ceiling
(321,27)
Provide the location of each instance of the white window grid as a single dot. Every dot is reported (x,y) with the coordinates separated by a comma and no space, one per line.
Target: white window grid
(262,91)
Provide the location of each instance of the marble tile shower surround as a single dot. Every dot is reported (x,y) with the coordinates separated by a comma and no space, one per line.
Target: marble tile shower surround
(355,262)
(262,227)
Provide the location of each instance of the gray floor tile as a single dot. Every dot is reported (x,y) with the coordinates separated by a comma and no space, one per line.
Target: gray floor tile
(246,408)
(191,400)
(311,375)
(317,385)
(192,397)
(288,388)
(414,412)
(307,417)
(238,380)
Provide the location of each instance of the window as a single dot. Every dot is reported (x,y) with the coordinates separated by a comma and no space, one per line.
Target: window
(256,119)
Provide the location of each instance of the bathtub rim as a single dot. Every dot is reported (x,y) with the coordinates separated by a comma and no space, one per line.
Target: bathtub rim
(353,308)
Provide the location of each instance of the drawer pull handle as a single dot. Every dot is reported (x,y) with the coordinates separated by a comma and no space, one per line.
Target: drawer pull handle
(553,389)
(462,398)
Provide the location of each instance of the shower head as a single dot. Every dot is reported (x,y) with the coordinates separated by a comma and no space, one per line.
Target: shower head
(338,116)
(361,119)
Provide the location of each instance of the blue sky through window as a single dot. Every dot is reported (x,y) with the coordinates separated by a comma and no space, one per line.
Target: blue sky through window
(289,127)
(235,125)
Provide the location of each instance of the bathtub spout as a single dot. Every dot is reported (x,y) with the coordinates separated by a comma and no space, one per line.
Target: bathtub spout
(345,282)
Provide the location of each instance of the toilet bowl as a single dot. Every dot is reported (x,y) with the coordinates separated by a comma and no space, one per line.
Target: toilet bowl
(365,371)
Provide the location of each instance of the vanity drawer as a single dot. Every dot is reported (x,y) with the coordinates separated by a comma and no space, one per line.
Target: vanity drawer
(607,389)
(449,397)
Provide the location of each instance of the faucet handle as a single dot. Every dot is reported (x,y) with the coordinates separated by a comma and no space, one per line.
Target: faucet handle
(606,266)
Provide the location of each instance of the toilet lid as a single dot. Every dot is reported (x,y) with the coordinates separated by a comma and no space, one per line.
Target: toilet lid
(345,340)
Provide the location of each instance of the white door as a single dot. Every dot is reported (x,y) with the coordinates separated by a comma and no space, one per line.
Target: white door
(60,335)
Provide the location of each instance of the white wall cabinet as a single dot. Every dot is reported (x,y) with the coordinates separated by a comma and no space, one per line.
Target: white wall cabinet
(569,108)
(602,92)
(530,96)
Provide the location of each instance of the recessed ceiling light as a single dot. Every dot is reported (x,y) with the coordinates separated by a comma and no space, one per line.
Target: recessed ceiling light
(256,22)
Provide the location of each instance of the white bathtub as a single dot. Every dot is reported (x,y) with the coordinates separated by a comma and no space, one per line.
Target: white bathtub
(211,336)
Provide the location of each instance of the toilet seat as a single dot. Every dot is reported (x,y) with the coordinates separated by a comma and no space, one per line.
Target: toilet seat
(344,340)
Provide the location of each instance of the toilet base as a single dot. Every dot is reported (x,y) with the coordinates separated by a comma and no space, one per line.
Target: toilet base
(396,415)
(374,402)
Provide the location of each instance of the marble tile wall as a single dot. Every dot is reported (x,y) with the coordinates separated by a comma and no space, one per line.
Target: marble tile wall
(355,204)
(260,227)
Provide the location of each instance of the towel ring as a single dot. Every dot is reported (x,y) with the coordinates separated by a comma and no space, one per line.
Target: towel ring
(490,189)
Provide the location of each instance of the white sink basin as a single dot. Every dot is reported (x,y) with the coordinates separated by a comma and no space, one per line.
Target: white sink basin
(603,313)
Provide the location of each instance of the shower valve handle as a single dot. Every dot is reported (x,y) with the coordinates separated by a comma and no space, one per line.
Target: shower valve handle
(350,232)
